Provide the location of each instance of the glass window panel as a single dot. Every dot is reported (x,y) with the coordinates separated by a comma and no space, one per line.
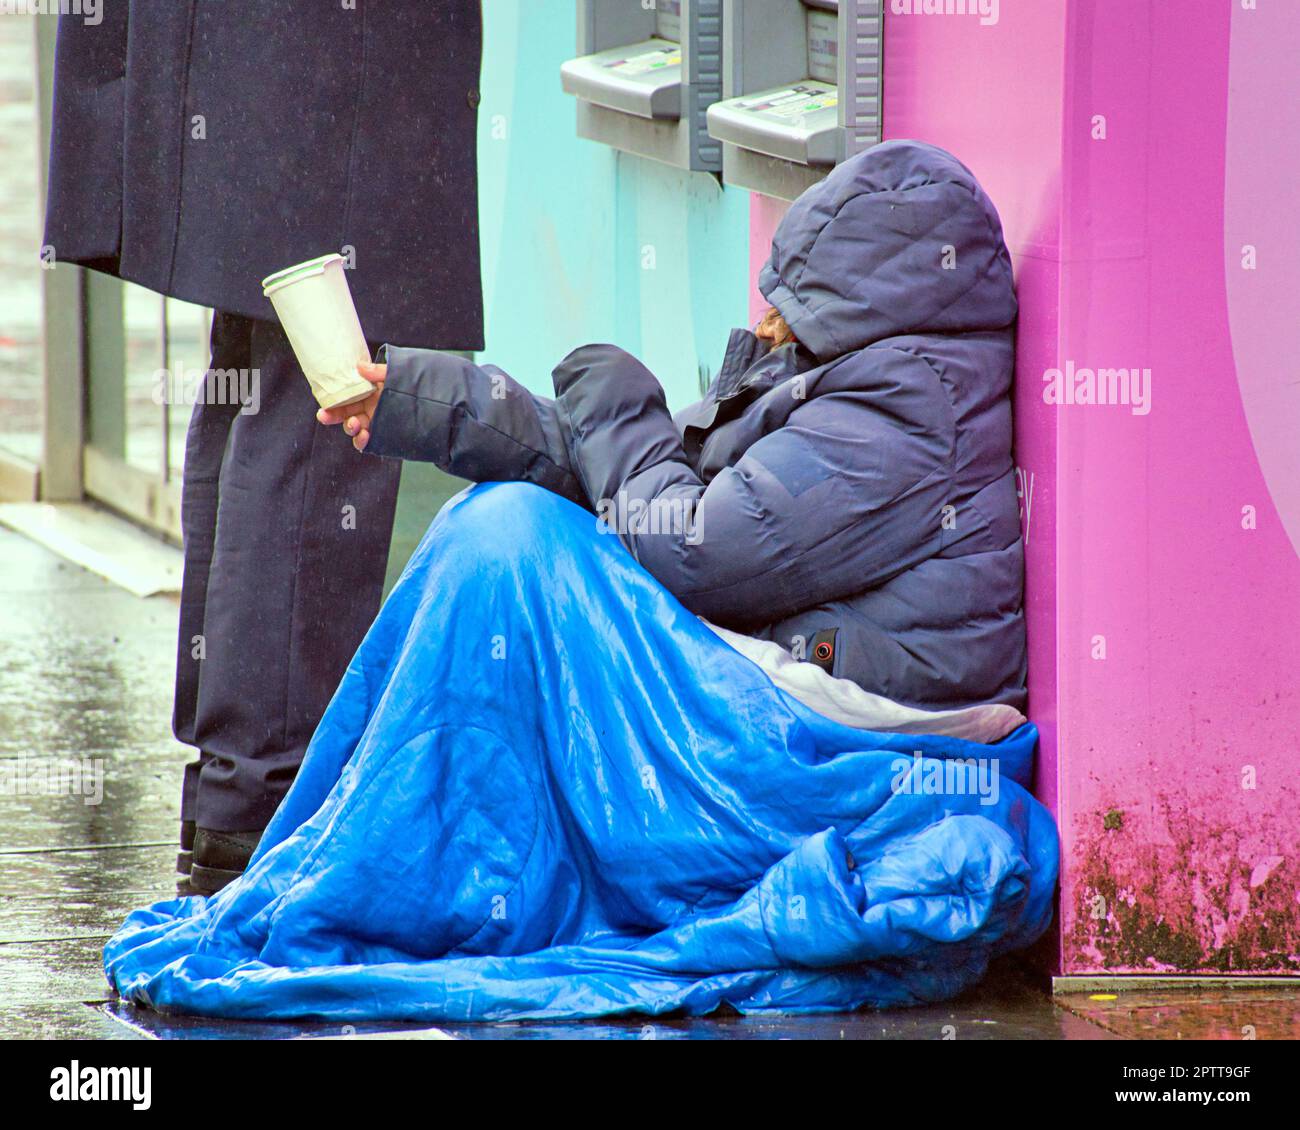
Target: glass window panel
(188,330)
(142,313)
(20,238)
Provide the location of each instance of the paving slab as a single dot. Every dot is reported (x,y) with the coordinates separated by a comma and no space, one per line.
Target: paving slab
(1191,1014)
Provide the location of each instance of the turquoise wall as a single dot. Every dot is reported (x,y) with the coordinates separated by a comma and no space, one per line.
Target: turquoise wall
(581,243)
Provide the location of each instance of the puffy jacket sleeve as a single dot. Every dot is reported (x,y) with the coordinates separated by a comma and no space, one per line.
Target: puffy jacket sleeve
(844,495)
(472,421)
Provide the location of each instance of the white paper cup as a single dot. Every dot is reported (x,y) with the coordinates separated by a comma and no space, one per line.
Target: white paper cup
(315,307)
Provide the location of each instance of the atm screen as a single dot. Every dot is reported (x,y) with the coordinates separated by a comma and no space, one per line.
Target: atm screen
(797,104)
(793,104)
(668,20)
(643,59)
(642,78)
(823,42)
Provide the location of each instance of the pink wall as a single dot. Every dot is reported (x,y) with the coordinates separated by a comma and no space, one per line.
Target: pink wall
(1178,750)
(1164,612)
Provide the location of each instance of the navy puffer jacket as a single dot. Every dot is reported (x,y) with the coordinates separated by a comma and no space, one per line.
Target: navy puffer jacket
(850,495)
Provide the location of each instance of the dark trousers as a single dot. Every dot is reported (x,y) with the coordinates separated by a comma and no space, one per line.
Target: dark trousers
(286,531)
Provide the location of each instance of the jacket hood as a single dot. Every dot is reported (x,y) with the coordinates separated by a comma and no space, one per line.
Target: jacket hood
(899,239)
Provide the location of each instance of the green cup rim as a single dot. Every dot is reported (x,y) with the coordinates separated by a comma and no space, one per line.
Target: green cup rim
(298,271)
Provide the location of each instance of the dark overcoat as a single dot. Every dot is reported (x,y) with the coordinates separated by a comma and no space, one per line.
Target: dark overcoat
(200,145)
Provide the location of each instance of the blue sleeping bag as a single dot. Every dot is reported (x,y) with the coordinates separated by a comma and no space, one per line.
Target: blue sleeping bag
(546,789)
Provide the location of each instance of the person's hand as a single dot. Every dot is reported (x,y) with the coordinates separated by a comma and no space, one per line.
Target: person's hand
(772,329)
(355,417)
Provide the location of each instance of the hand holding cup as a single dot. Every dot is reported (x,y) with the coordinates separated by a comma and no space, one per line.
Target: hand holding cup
(356,416)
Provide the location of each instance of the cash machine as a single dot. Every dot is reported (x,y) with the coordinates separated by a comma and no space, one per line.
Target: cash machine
(801,90)
(645,76)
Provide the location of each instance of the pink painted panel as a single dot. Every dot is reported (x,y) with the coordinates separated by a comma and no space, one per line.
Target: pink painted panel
(765,214)
(1179,589)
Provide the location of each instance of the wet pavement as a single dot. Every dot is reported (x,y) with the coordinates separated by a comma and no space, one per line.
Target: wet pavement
(1192,1013)
(85,702)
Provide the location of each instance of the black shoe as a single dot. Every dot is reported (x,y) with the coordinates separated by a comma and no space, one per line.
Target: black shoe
(185,857)
(219,858)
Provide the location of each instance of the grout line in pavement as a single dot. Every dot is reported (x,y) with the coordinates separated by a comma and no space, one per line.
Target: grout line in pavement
(88,847)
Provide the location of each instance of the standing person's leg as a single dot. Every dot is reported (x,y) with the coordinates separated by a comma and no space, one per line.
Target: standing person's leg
(301,549)
(205,448)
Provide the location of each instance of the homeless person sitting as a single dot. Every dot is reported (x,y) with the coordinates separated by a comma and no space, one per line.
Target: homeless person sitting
(763,748)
